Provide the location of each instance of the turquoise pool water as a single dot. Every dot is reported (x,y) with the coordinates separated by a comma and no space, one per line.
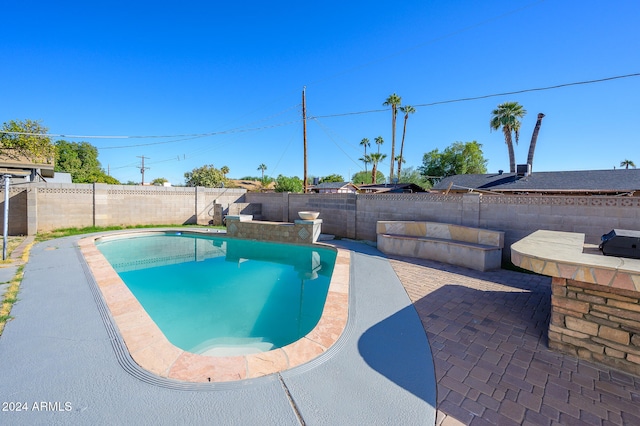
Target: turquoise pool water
(219,296)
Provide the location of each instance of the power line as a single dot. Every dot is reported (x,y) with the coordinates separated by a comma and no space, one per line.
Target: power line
(515,92)
(240,130)
(557,86)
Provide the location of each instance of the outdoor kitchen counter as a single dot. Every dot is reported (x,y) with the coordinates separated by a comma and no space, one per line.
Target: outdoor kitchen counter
(561,255)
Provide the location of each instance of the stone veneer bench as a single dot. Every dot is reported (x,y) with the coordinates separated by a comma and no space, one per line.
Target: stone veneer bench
(595,299)
(474,248)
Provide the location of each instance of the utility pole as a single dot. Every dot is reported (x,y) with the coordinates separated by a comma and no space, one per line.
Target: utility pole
(142,167)
(304,135)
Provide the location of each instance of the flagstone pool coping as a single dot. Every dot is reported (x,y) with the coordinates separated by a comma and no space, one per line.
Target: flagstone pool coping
(152,351)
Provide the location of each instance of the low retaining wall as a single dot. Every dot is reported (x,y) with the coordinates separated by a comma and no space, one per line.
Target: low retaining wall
(474,248)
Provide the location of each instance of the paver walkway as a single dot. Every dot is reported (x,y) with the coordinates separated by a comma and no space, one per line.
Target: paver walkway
(488,337)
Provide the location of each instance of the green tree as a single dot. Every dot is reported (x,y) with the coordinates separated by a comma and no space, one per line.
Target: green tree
(365,178)
(407,109)
(225,171)
(332,178)
(458,159)
(394,102)
(288,184)
(159,181)
(27,138)
(507,116)
(207,176)
(262,167)
(412,175)
(626,163)
(376,157)
(80,159)
(365,142)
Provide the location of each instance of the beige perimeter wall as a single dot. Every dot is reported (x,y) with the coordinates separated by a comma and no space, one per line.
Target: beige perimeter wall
(355,215)
(42,207)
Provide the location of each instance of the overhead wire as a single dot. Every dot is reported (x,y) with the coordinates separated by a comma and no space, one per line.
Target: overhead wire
(492,95)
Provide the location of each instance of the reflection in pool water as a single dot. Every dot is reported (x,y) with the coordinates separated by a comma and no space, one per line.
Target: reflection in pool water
(220,296)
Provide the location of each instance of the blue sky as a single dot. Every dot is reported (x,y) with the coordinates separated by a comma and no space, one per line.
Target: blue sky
(220,83)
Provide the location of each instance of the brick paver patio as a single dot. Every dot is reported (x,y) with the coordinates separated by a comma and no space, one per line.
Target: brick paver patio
(488,337)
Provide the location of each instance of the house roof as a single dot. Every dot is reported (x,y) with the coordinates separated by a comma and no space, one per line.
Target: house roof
(333,185)
(395,187)
(586,181)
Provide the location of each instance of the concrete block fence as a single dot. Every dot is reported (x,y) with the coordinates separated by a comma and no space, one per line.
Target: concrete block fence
(43,207)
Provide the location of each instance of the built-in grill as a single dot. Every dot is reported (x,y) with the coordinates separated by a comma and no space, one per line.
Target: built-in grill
(621,243)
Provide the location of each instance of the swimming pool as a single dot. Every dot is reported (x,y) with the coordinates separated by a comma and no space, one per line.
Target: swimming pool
(223,297)
(140,341)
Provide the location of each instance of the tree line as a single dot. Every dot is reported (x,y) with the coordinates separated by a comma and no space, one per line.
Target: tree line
(28,138)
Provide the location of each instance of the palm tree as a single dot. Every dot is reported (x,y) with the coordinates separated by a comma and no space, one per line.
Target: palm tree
(407,109)
(393,101)
(626,163)
(534,140)
(366,160)
(379,141)
(224,170)
(507,116)
(262,167)
(365,142)
(400,161)
(376,157)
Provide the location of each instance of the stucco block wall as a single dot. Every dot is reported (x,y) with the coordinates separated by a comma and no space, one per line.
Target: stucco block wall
(275,205)
(421,207)
(18,224)
(127,205)
(520,215)
(337,211)
(50,206)
(81,205)
(63,205)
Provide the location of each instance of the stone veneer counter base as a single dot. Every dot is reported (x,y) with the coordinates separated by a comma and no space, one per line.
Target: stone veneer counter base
(595,301)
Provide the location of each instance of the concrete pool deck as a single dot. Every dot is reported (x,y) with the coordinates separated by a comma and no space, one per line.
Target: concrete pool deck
(487,332)
(62,362)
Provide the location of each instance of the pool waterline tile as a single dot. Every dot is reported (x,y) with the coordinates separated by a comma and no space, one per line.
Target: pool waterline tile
(152,350)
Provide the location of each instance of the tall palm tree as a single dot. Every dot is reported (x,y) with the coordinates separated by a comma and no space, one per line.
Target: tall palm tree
(262,167)
(365,142)
(534,140)
(366,159)
(400,161)
(626,163)
(224,170)
(379,141)
(376,157)
(507,116)
(407,109)
(394,102)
